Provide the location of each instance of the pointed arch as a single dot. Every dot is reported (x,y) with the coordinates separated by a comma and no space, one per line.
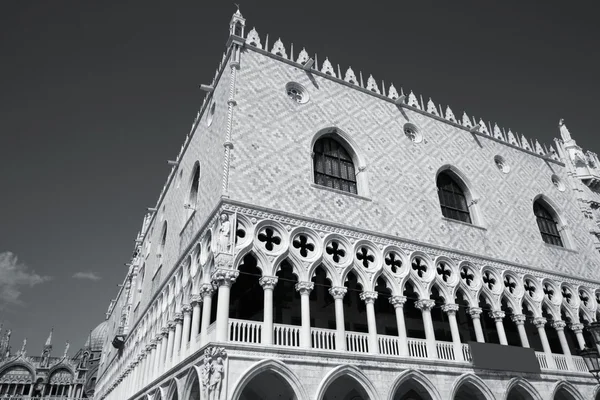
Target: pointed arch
(191,385)
(551,224)
(568,387)
(346,144)
(351,371)
(471,380)
(274,366)
(20,363)
(172,391)
(417,377)
(389,280)
(450,181)
(524,385)
(194,185)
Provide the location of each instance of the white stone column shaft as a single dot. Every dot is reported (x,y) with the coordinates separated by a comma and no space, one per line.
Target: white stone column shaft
(450,310)
(304,288)
(185,334)
(475,313)
(519,320)
(498,317)
(268,284)
(177,340)
(369,299)
(398,303)
(206,292)
(425,305)
(539,323)
(224,278)
(338,292)
(578,330)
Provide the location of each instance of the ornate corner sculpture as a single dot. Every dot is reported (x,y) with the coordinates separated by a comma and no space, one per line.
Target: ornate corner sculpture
(213,372)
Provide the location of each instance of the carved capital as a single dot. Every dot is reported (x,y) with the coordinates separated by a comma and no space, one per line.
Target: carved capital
(518,319)
(450,308)
(186,310)
(539,322)
(368,297)
(338,292)
(304,287)
(474,312)
(195,300)
(171,325)
(158,338)
(268,282)
(497,315)
(577,328)
(206,289)
(225,277)
(178,318)
(559,325)
(397,301)
(425,304)
(165,331)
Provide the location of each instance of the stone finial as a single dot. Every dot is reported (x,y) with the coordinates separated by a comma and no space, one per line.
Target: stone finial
(393,93)
(431,107)
(538,148)
(483,128)
(253,39)
(466,122)
(279,49)
(350,76)
(372,85)
(412,100)
(511,138)
(525,143)
(564,131)
(450,115)
(327,68)
(302,57)
(498,133)
(553,153)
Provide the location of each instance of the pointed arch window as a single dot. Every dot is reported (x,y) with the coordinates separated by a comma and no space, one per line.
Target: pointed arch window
(163,239)
(547,224)
(452,199)
(333,166)
(195,184)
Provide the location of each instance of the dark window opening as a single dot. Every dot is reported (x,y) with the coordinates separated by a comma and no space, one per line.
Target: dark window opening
(333,166)
(547,225)
(452,199)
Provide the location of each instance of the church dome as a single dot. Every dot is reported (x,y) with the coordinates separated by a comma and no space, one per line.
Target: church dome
(97,337)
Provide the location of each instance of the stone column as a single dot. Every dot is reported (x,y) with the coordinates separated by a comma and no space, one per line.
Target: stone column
(186,310)
(268,284)
(425,305)
(170,342)
(338,293)
(498,317)
(578,330)
(369,299)
(196,300)
(398,303)
(539,323)
(560,330)
(450,310)
(157,353)
(150,349)
(224,279)
(304,288)
(206,292)
(178,333)
(163,351)
(519,320)
(475,313)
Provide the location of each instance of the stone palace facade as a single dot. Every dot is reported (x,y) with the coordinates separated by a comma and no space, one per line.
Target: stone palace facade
(325,236)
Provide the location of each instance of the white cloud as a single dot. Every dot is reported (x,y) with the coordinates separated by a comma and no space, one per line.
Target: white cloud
(86,275)
(13,277)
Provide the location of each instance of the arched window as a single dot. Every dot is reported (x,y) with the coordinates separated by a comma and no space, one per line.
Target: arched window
(452,198)
(140,279)
(163,239)
(547,224)
(333,165)
(194,185)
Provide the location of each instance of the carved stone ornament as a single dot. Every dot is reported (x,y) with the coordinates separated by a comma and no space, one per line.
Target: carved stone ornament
(213,372)
(304,287)
(393,93)
(450,115)
(253,39)
(372,85)
(206,289)
(368,297)
(350,77)
(539,322)
(497,315)
(224,244)
(518,319)
(397,301)
(268,282)
(302,57)
(425,304)
(474,312)
(338,292)
(559,325)
(450,308)
(225,277)
(279,49)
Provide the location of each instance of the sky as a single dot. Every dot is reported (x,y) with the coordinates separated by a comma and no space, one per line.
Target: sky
(96,96)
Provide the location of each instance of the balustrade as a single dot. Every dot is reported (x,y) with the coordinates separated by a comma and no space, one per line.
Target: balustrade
(242,331)
(445,351)
(323,339)
(286,335)
(357,342)
(417,348)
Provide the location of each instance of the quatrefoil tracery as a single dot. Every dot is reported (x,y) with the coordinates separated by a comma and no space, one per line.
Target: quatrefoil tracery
(365,256)
(444,271)
(468,276)
(548,291)
(567,295)
(584,298)
(529,287)
(489,280)
(394,261)
(269,238)
(510,283)
(335,250)
(303,245)
(419,266)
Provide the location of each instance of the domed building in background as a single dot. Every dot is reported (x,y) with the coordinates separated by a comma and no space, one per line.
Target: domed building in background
(23,376)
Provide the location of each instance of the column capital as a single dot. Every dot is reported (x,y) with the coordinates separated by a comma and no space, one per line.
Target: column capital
(206,289)
(225,277)
(178,318)
(338,292)
(158,338)
(304,287)
(368,297)
(397,301)
(577,328)
(450,308)
(425,304)
(165,331)
(559,325)
(171,325)
(186,310)
(268,282)
(518,319)
(539,322)
(474,312)
(497,315)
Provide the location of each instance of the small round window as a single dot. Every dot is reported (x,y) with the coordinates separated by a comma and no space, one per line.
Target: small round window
(502,164)
(211,113)
(412,132)
(296,92)
(558,183)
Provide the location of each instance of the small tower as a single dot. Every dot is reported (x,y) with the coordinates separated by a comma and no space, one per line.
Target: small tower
(237,24)
(47,350)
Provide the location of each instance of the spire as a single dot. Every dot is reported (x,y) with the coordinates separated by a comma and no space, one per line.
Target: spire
(66,350)
(237,24)
(23,351)
(49,340)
